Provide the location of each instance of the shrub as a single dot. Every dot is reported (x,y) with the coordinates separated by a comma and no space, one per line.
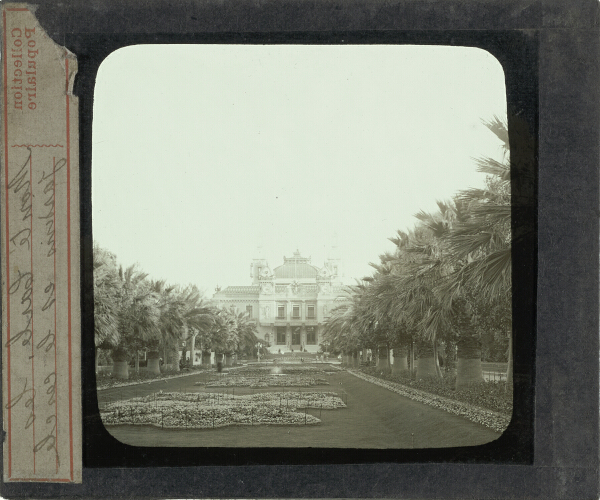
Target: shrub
(495,396)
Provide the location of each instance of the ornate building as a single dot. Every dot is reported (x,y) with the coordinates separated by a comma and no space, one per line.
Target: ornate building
(288,303)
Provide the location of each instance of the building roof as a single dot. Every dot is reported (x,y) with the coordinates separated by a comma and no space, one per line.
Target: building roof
(296,267)
(296,271)
(252,289)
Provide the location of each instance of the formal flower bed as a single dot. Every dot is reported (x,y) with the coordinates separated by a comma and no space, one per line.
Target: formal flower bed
(175,410)
(266,380)
(494,420)
(285,370)
(272,376)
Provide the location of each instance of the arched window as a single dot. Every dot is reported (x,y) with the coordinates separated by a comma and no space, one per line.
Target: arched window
(266,337)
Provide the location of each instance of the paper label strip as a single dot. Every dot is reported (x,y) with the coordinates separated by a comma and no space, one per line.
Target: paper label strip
(40,255)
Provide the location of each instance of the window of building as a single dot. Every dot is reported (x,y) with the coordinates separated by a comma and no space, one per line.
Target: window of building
(296,311)
(310,312)
(281,335)
(249,311)
(311,335)
(281,312)
(267,338)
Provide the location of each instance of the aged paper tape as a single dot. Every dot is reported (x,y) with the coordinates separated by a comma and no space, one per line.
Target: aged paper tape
(40,255)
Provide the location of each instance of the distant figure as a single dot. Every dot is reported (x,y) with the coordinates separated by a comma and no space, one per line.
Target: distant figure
(219,366)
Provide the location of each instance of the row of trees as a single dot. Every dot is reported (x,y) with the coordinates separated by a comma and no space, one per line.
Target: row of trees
(133,313)
(446,285)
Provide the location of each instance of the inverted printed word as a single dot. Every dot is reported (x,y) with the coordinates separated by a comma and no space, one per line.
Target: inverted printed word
(23,57)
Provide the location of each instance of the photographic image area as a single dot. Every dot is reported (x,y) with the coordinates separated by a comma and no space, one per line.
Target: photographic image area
(302,246)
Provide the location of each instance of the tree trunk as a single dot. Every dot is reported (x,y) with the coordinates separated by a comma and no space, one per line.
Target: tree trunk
(426,363)
(192,350)
(382,357)
(400,359)
(137,361)
(153,366)
(468,366)
(120,370)
(173,358)
(97,355)
(437,359)
(355,361)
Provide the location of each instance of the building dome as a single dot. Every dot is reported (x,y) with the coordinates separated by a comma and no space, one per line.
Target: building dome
(296,267)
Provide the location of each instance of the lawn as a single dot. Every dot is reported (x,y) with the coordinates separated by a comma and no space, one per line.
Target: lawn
(374,418)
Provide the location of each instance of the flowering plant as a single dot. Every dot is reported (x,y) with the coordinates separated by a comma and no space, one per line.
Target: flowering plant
(210,410)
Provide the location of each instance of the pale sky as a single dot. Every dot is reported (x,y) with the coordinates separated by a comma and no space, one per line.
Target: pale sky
(203,153)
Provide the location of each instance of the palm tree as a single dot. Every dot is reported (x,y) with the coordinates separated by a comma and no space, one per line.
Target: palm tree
(246,333)
(224,332)
(468,264)
(107,292)
(336,328)
(446,274)
(170,322)
(405,295)
(138,320)
(198,320)
(480,246)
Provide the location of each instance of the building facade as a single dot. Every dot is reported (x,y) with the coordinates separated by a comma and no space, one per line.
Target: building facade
(288,303)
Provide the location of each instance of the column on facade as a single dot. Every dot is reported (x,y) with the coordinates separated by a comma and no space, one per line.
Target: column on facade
(303,327)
